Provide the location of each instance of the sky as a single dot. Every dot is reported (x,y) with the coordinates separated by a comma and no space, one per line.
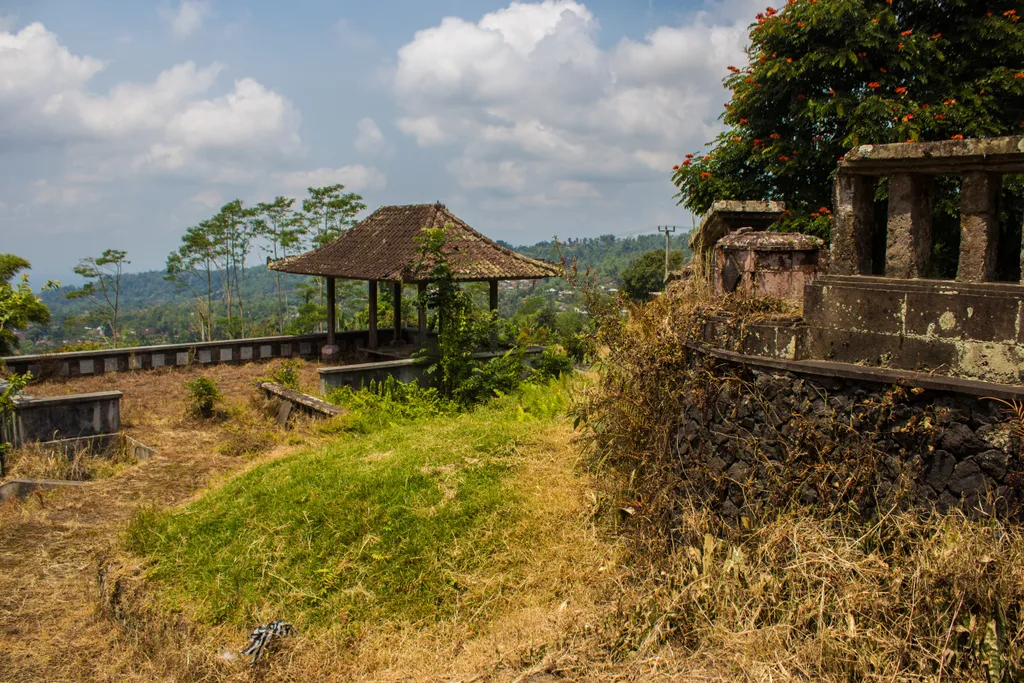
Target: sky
(123,122)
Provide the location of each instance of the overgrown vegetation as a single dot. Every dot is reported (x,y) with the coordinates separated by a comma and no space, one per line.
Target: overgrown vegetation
(203,395)
(820,589)
(397,526)
(285,373)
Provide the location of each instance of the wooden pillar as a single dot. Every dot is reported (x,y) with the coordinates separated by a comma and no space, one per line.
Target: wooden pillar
(979,226)
(494,295)
(423,313)
(853,225)
(398,314)
(373,314)
(332,324)
(908,246)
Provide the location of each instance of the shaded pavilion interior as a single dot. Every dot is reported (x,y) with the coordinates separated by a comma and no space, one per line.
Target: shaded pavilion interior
(383,248)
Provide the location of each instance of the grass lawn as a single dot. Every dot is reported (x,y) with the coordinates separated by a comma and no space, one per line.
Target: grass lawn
(407,524)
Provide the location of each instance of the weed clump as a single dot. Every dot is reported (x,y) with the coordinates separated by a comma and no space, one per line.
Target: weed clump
(285,373)
(202,395)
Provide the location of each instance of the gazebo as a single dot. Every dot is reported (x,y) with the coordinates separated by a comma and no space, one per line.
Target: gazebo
(382,248)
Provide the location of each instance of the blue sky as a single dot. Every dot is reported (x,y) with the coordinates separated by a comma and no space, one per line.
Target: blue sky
(124,122)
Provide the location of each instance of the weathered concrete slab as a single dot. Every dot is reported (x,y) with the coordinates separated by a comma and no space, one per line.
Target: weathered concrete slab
(307,403)
(946,157)
(72,416)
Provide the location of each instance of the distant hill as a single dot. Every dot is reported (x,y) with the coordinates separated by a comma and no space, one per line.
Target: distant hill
(157,311)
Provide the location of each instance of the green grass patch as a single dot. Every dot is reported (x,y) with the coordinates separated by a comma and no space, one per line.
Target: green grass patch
(402,524)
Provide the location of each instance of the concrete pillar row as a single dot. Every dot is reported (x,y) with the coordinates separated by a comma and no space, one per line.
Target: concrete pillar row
(979,226)
(908,245)
(852,225)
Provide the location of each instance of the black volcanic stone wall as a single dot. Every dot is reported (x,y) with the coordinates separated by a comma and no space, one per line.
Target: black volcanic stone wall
(756,439)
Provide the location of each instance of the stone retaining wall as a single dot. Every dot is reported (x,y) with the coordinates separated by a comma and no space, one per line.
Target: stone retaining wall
(63,417)
(761,437)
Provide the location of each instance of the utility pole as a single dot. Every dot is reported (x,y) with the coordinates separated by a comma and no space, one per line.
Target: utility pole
(668,230)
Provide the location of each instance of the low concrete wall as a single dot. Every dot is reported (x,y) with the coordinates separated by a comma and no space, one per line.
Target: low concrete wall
(763,433)
(64,417)
(359,375)
(784,338)
(969,329)
(79,363)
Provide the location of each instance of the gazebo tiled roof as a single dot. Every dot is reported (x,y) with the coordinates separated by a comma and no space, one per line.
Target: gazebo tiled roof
(382,247)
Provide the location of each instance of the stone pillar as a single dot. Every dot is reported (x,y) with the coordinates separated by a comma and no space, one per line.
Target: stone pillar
(494,295)
(852,225)
(422,289)
(979,226)
(373,314)
(397,341)
(908,246)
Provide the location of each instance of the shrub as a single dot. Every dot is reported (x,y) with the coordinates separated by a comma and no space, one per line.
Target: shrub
(285,373)
(388,402)
(203,395)
(554,362)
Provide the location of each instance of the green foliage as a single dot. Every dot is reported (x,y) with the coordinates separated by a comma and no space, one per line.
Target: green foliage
(554,363)
(285,373)
(19,307)
(203,396)
(390,526)
(462,330)
(827,75)
(647,274)
(498,376)
(15,383)
(388,403)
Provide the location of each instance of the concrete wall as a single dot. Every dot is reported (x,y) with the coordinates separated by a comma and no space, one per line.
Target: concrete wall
(359,375)
(959,328)
(64,417)
(765,436)
(81,363)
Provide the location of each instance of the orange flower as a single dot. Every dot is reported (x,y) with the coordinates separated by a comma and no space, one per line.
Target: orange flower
(748,79)
(842,157)
(900,46)
(908,117)
(801,24)
(957,137)
(775,136)
(1020,75)
(675,168)
(874,84)
(687,162)
(926,106)
(940,117)
(801,96)
(831,91)
(689,156)
(906,33)
(736,138)
(900,90)
(875,20)
(789,60)
(950,103)
(783,157)
(707,158)
(733,69)
(936,36)
(883,70)
(705,174)
(744,120)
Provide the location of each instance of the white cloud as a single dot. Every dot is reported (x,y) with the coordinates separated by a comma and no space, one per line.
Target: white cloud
(175,124)
(426,130)
(537,109)
(211,199)
(355,178)
(351,37)
(47,194)
(187,18)
(369,139)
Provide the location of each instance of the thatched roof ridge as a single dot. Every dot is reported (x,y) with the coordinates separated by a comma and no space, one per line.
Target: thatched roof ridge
(382,247)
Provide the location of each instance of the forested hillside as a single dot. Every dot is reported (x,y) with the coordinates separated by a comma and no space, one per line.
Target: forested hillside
(157,310)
